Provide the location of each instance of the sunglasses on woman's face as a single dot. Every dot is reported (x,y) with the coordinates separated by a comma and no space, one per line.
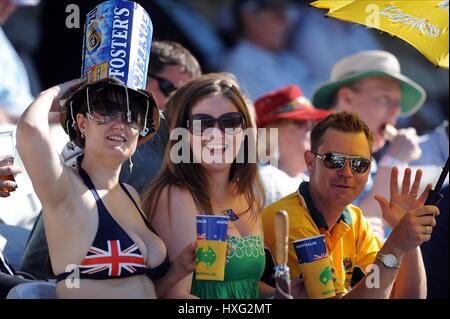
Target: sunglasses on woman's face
(230,123)
(337,161)
(165,86)
(102,117)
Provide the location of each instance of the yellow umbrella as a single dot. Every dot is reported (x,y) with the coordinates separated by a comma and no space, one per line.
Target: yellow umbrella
(321,4)
(332,5)
(423,24)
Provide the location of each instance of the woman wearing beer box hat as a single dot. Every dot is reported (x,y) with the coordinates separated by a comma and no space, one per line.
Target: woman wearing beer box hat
(89,214)
(137,108)
(99,240)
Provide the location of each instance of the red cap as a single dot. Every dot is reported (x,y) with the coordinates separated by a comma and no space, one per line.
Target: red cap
(286,103)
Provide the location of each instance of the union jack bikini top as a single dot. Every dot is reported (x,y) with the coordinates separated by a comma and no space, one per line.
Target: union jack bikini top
(113,254)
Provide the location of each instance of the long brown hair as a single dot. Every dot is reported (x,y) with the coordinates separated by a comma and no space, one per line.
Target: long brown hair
(191,176)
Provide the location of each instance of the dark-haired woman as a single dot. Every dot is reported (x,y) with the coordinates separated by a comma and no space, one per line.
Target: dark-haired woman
(100,243)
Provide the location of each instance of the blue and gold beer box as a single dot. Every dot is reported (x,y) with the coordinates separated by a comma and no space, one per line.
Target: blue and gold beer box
(117,41)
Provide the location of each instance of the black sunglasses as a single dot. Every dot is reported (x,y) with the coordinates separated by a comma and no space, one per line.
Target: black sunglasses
(230,123)
(165,86)
(336,161)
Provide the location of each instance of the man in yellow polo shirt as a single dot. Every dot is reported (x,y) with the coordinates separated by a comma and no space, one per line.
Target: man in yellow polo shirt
(338,164)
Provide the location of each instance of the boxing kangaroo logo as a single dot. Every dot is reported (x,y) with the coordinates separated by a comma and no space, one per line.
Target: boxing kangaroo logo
(208,257)
(326,275)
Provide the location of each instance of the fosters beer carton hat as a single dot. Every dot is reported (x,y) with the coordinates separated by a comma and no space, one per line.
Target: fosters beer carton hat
(116,51)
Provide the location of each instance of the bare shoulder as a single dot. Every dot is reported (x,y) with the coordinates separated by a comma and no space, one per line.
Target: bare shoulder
(181,200)
(174,217)
(175,198)
(134,193)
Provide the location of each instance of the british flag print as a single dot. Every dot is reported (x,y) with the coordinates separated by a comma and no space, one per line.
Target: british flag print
(114,260)
(319,256)
(201,236)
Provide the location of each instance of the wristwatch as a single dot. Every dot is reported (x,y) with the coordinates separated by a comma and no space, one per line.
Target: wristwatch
(389,260)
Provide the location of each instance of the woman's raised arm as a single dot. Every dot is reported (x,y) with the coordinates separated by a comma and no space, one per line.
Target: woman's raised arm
(37,149)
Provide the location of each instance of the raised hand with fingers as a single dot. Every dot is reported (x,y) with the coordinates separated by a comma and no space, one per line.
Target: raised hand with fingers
(414,228)
(404,201)
(412,222)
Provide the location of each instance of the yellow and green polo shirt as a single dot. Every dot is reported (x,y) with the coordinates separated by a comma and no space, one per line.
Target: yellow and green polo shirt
(350,243)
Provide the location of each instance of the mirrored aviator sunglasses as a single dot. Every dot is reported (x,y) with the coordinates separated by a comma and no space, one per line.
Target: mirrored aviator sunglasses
(229,123)
(107,107)
(103,117)
(337,161)
(165,86)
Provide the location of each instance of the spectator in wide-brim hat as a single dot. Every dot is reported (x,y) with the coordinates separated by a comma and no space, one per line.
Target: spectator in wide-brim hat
(370,84)
(137,107)
(289,112)
(87,210)
(171,66)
